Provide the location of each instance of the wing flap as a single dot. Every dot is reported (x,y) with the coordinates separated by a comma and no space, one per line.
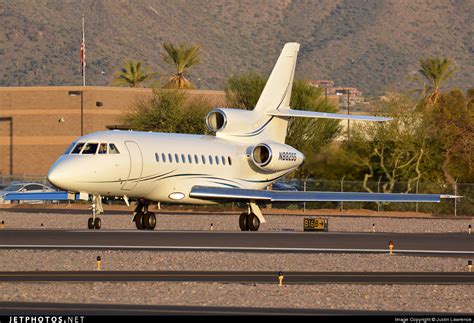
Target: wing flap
(324,115)
(219,193)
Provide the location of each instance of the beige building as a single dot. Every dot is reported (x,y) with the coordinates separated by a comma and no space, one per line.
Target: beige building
(38,123)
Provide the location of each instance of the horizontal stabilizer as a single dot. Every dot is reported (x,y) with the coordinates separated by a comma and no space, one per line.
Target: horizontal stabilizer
(41,196)
(324,115)
(219,193)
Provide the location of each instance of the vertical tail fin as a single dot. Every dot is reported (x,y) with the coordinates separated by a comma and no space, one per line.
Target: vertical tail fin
(277,91)
(263,123)
(276,95)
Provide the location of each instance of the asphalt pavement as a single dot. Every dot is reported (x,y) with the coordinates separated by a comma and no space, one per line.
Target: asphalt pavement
(251,277)
(447,244)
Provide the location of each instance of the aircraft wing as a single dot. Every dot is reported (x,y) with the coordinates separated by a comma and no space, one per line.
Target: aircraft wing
(324,115)
(236,194)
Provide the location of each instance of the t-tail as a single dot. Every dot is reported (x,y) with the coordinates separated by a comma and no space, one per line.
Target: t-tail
(268,121)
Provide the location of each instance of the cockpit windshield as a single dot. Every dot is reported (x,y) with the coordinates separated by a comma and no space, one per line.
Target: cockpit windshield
(103,148)
(78,148)
(92,148)
(113,149)
(68,150)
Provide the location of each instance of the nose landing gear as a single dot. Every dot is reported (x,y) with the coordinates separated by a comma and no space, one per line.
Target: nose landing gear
(144,220)
(94,222)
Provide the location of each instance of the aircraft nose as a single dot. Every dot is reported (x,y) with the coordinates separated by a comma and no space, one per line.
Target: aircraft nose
(58,176)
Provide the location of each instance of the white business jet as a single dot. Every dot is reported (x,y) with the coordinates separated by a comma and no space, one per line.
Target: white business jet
(247,153)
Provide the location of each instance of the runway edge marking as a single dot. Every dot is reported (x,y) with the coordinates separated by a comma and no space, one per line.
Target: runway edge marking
(245,249)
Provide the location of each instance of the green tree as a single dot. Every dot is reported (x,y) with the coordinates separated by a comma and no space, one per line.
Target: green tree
(132,74)
(243,91)
(451,128)
(182,57)
(393,151)
(436,71)
(172,111)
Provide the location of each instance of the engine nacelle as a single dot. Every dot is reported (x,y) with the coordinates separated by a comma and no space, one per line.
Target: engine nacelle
(229,120)
(276,157)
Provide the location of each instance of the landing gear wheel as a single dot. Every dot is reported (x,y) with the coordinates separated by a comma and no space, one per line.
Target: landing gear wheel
(243,223)
(90,223)
(253,222)
(139,221)
(149,221)
(97,223)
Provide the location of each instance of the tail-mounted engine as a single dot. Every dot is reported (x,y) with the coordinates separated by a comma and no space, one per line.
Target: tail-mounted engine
(276,157)
(230,121)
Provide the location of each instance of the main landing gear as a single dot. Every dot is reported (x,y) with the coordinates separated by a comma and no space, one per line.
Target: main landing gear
(250,220)
(94,222)
(144,220)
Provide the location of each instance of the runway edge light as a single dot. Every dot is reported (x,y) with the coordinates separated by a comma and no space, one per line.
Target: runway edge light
(280,278)
(390,247)
(469,266)
(99,261)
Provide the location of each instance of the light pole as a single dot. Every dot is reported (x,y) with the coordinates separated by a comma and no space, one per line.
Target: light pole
(81,93)
(348,112)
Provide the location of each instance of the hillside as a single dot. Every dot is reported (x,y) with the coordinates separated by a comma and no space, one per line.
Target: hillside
(374,45)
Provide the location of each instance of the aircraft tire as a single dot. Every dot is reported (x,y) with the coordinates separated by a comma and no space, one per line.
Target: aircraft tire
(90,224)
(139,221)
(97,223)
(149,221)
(243,223)
(253,222)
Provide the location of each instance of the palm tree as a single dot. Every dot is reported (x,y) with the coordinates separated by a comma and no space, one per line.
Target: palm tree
(182,57)
(132,74)
(436,71)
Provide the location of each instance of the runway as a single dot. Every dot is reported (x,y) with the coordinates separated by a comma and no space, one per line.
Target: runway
(18,308)
(447,244)
(251,277)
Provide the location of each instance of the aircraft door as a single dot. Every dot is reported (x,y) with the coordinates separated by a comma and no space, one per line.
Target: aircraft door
(136,165)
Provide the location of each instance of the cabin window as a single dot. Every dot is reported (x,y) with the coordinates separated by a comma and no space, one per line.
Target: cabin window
(217,160)
(176,158)
(170,158)
(163,157)
(103,148)
(113,149)
(196,159)
(230,161)
(78,148)
(68,150)
(223,160)
(183,158)
(190,160)
(210,159)
(90,149)
(203,159)
(157,157)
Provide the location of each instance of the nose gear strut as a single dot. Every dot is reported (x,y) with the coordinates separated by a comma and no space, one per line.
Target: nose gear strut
(94,222)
